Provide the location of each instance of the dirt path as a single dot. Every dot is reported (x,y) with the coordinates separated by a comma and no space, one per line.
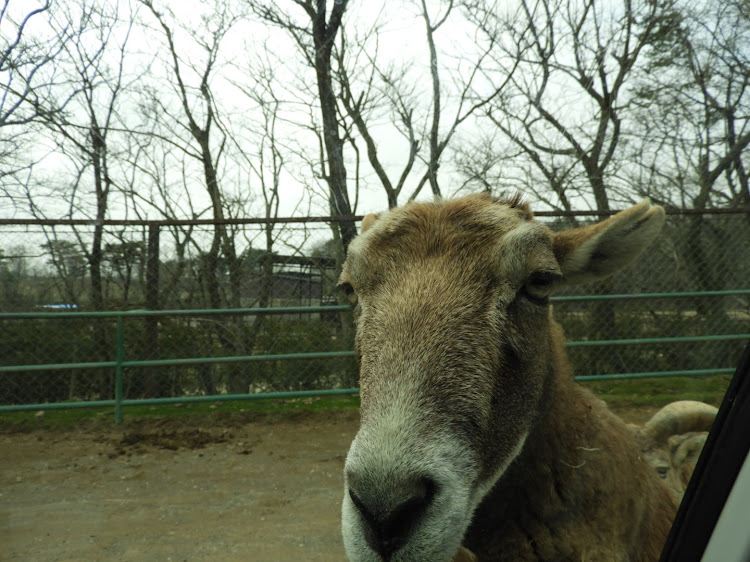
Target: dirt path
(170,490)
(260,492)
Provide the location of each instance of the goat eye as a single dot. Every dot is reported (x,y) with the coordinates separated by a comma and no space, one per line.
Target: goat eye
(348,290)
(539,286)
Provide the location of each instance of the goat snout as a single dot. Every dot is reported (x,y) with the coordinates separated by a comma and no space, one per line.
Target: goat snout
(389,516)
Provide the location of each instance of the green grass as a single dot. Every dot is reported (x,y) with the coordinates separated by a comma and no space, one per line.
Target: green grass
(657,392)
(625,393)
(193,413)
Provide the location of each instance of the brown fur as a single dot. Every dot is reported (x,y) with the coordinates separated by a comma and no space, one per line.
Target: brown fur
(580,479)
(458,348)
(464,555)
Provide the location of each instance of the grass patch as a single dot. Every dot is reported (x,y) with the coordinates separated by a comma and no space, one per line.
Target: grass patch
(658,392)
(624,393)
(193,413)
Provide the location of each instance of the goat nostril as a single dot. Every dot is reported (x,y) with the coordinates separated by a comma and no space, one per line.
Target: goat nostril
(407,513)
(389,523)
(362,507)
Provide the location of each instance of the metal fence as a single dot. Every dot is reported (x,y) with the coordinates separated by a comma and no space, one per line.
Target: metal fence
(173,311)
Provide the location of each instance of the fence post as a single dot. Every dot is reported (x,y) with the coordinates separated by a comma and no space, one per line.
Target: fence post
(119,357)
(151,385)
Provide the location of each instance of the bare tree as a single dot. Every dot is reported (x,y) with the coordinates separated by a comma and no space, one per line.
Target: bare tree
(29,86)
(198,118)
(371,85)
(691,150)
(265,164)
(379,87)
(92,63)
(565,107)
(160,185)
(315,39)
(694,107)
(27,89)
(205,143)
(96,73)
(430,29)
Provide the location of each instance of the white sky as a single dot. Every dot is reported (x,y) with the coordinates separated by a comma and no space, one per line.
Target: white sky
(400,42)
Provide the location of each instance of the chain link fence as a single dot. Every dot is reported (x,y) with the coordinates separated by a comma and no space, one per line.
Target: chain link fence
(52,267)
(696,253)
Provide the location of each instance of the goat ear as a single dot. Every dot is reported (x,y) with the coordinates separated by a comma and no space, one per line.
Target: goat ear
(368,221)
(596,251)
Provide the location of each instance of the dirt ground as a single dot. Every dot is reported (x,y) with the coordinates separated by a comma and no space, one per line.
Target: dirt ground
(260,491)
(168,490)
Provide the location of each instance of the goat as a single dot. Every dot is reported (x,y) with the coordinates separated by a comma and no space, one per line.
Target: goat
(475,442)
(672,440)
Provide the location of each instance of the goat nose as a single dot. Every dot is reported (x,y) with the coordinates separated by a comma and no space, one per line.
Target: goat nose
(390,515)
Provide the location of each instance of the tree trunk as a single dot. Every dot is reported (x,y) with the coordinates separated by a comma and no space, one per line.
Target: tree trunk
(101,185)
(154,382)
(324,33)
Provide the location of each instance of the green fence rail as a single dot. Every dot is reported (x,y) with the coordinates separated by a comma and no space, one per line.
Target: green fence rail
(120,363)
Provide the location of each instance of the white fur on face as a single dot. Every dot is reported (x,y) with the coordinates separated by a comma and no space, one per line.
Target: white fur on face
(399,444)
